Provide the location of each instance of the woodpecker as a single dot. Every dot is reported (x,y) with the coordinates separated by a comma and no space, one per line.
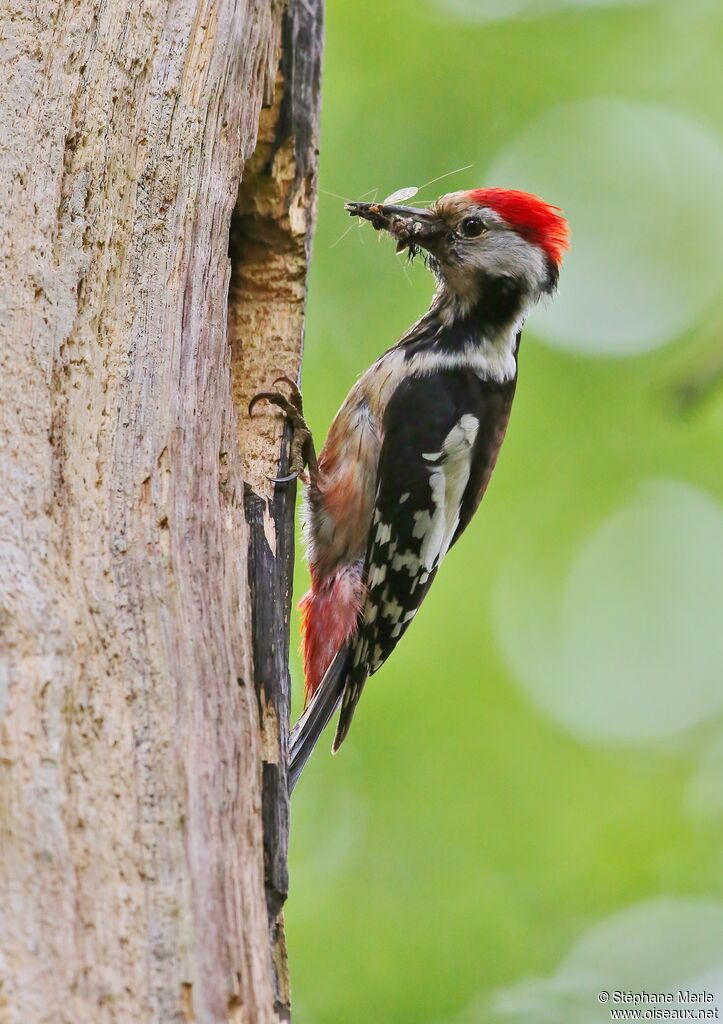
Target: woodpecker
(410,453)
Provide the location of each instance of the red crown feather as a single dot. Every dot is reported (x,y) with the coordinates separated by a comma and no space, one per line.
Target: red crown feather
(533,218)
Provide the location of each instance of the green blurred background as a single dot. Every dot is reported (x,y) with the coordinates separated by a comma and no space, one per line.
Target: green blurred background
(529,807)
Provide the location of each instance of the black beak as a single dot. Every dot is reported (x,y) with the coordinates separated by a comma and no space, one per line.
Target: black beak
(409,225)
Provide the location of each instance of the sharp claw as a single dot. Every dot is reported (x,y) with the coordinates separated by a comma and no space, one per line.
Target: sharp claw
(284,379)
(279,400)
(261,396)
(283,479)
(295,398)
(302,448)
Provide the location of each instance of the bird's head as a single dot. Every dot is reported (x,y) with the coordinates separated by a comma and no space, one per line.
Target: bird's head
(479,238)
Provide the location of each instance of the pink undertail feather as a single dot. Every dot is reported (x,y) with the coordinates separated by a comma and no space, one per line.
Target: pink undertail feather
(328,618)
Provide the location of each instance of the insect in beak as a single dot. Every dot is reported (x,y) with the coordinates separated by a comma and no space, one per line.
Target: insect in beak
(411,226)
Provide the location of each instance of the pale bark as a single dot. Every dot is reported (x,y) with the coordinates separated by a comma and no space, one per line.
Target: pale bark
(143,619)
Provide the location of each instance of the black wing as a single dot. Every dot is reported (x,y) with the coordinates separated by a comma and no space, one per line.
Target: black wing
(440,440)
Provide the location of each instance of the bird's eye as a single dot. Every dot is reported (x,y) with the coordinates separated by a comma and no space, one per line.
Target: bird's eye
(471,227)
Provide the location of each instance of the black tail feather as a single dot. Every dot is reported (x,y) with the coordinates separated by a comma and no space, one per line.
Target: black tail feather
(316,716)
(353,687)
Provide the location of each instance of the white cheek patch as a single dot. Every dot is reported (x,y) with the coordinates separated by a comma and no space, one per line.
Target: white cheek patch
(506,253)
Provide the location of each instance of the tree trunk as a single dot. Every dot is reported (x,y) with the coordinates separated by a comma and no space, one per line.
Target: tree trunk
(147,291)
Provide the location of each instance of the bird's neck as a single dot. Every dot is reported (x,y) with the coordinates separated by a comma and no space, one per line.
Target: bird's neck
(482,335)
(488,306)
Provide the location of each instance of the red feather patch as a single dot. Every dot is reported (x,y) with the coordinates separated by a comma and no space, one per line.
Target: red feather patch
(533,218)
(329,613)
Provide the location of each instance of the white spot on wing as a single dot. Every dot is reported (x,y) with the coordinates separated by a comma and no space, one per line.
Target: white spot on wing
(384,533)
(462,436)
(422,524)
(392,610)
(409,560)
(377,575)
(361,653)
(447,482)
(433,535)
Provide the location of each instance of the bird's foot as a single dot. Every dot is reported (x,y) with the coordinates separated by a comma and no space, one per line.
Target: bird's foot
(302,454)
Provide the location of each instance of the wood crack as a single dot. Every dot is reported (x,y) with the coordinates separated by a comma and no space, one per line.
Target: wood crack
(269,248)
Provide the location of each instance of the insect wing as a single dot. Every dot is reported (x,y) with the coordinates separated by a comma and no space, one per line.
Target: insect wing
(401,195)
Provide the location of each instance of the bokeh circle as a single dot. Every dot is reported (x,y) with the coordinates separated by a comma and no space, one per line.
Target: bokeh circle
(630,648)
(640,185)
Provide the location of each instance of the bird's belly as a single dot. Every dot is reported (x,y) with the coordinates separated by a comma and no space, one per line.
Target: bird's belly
(344,516)
(341,503)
